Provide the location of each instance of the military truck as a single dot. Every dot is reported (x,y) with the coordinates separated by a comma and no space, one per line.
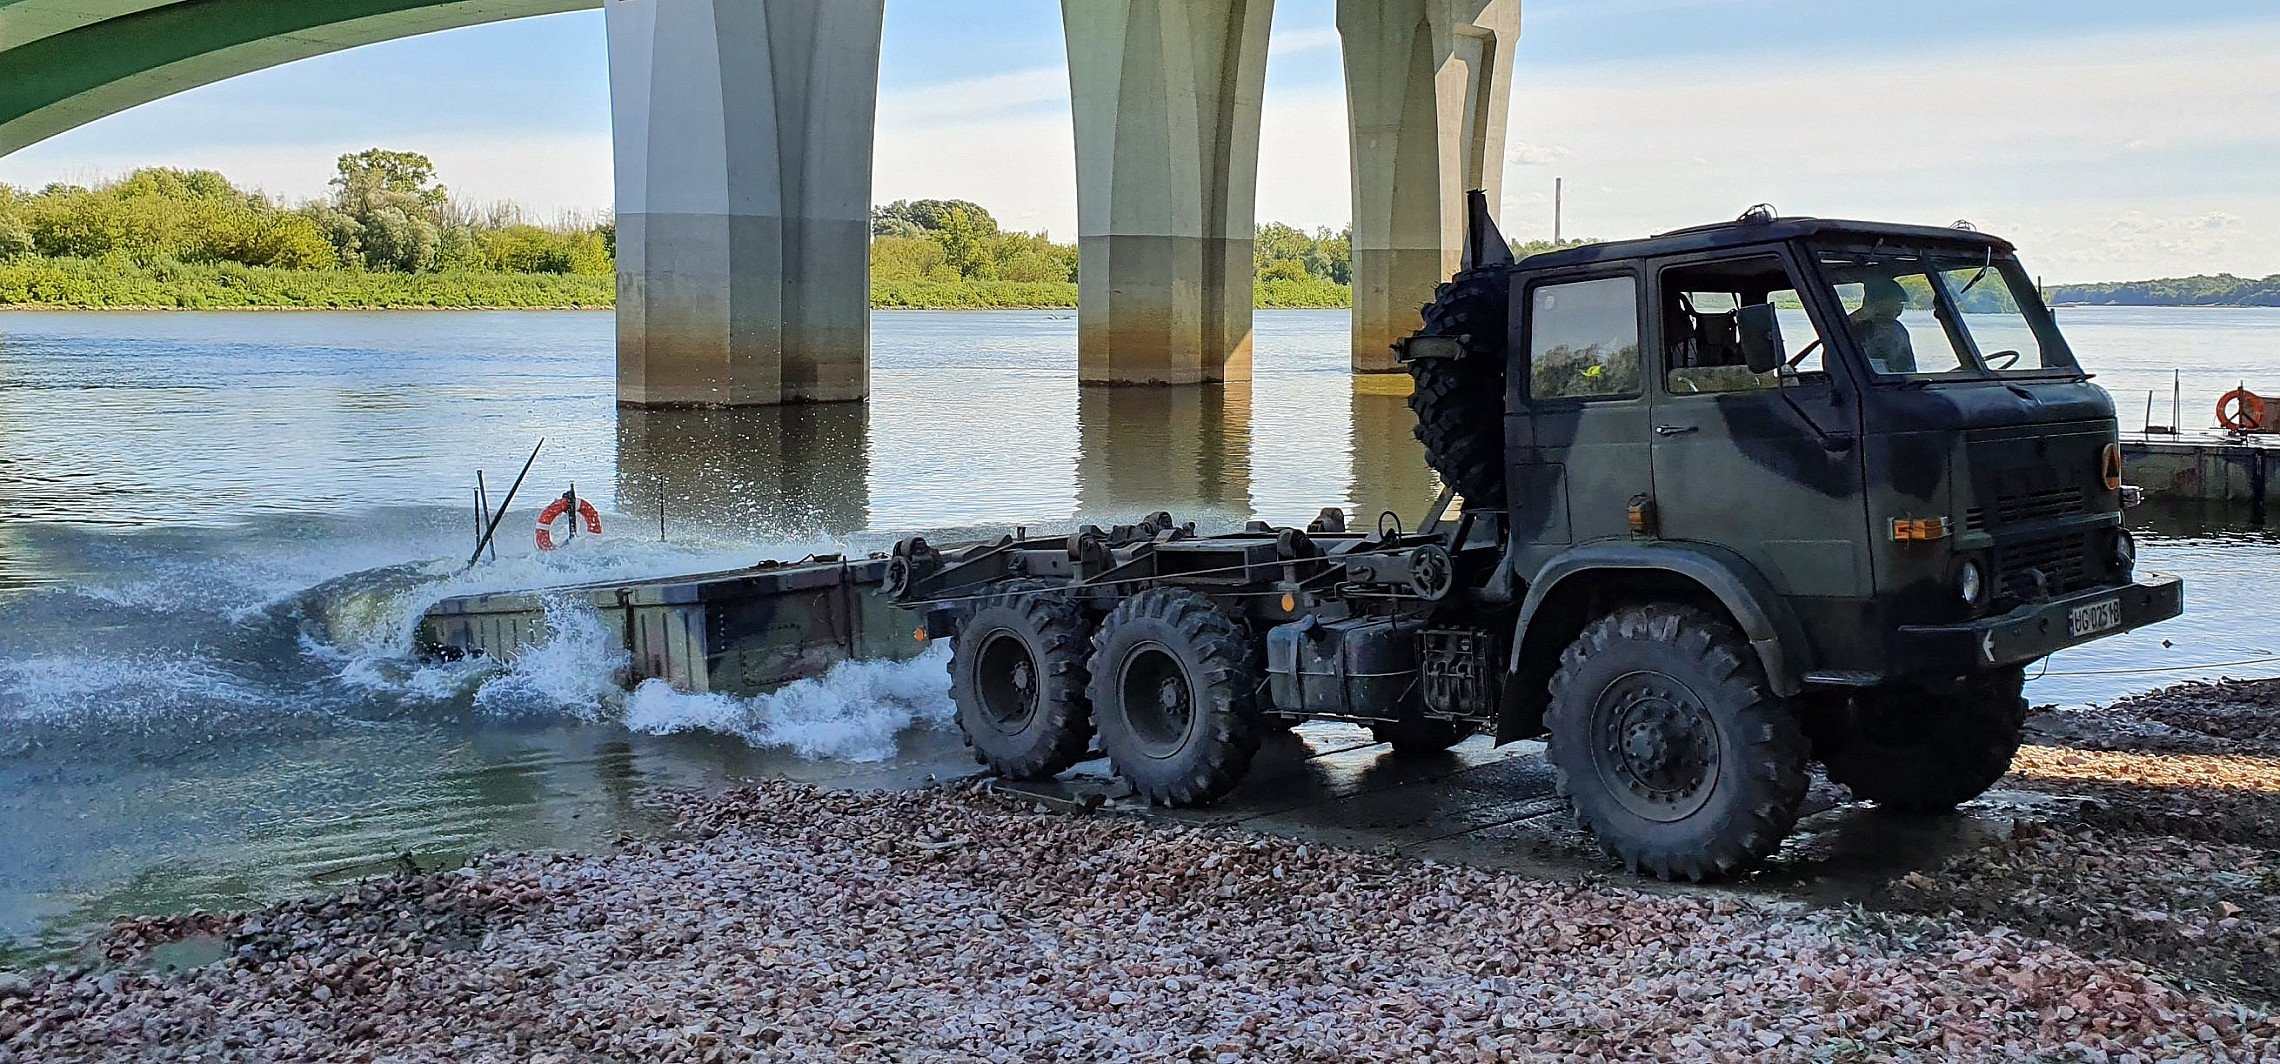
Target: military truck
(1723,503)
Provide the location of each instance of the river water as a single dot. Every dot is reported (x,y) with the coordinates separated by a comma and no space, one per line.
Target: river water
(216,531)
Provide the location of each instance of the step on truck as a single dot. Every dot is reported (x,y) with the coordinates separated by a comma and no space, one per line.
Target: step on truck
(1722,503)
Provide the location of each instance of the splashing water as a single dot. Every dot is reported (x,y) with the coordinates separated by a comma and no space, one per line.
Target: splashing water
(853,713)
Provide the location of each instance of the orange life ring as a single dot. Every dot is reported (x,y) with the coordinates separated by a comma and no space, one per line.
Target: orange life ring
(557,508)
(2249,417)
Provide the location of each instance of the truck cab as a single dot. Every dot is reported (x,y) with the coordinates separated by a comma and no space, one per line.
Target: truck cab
(1878,429)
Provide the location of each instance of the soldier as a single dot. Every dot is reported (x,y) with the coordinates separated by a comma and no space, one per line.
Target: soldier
(1877,325)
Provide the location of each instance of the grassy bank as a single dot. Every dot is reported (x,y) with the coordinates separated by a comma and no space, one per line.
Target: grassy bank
(119,284)
(96,284)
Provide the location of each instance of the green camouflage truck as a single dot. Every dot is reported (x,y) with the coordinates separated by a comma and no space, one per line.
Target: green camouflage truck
(1722,503)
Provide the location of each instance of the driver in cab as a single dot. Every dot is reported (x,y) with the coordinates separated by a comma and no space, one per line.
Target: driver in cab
(1876,325)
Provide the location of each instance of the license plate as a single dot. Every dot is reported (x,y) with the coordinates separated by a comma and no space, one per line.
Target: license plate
(2094,618)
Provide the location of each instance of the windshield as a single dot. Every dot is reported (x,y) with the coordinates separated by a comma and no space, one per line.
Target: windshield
(1943,314)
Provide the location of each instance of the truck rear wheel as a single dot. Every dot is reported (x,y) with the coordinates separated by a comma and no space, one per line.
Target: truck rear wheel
(1926,754)
(1017,674)
(1459,402)
(1676,755)
(1173,690)
(1418,738)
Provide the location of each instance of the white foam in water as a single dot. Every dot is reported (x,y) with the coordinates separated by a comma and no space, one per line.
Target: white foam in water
(117,688)
(852,713)
(574,669)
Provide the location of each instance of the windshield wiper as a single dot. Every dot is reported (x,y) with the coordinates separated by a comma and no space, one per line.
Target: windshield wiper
(1981,275)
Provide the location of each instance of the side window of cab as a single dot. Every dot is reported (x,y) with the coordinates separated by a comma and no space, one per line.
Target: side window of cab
(1583,339)
(1701,308)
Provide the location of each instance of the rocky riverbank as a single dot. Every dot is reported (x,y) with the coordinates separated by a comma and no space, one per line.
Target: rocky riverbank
(2122,914)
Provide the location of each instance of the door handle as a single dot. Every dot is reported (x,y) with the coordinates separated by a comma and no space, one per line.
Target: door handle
(1674,430)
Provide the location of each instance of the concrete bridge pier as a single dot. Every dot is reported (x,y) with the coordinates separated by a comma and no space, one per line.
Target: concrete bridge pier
(1428,90)
(743,142)
(1166,96)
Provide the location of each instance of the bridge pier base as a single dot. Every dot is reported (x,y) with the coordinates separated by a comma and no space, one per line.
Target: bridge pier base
(743,141)
(1428,91)
(1166,96)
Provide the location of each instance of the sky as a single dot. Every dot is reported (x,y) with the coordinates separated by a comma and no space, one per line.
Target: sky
(2111,140)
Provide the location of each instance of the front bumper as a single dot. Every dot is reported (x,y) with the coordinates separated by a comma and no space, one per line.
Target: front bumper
(2037,630)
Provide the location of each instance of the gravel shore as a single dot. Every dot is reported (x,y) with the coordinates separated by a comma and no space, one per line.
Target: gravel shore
(2123,917)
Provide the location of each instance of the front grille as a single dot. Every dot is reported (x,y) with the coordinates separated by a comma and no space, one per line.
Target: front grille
(2063,563)
(2020,476)
(2034,505)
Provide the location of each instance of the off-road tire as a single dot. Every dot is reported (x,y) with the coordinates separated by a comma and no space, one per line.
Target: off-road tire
(1170,644)
(1418,738)
(1654,662)
(1459,402)
(1023,626)
(1964,744)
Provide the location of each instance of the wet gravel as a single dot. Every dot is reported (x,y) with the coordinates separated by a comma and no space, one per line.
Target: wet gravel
(2122,916)
(781,922)
(2168,853)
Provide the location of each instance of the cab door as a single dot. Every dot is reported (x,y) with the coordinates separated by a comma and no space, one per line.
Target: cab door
(1578,423)
(1765,464)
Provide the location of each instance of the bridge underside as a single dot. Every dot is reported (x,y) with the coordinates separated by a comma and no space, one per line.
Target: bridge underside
(743,134)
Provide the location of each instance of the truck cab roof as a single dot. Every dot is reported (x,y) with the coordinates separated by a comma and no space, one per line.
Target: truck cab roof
(1752,230)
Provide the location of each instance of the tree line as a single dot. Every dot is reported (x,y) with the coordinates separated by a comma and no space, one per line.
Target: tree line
(2221,290)
(933,247)
(386,213)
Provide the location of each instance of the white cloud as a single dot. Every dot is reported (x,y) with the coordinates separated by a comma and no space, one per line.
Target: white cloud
(1521,153)
(1296,42)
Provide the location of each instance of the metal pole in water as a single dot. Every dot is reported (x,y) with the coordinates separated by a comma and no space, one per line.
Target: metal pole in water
(483,499)
(501,515)
(572,495)
(660,507)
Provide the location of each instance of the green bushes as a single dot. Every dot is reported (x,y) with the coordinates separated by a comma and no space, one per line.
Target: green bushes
(390,235)
(386,213)
(1303,293)
(948,241)
(973,295)
(120,282)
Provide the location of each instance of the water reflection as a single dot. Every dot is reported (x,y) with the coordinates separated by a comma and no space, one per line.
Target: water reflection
(1389,463)
(1187,450)
(789,471)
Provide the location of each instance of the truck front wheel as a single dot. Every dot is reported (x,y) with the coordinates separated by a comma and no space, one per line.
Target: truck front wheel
(1676,754)
(1921,753)
(1173,690)
(1017,675)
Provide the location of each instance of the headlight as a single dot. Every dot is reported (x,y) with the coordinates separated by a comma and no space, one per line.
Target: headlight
(1971,583)
(2125,549)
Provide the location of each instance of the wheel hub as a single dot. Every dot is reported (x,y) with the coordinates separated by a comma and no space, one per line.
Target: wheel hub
(1658,746)
(1158,700)
(1008,682)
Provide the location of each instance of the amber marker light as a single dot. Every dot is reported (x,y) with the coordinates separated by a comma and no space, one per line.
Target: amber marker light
(2110,466)
(1919,529)
(1290,603)
(920,634)
(1640,515)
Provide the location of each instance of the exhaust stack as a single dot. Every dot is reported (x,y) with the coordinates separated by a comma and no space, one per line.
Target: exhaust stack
(1484,243)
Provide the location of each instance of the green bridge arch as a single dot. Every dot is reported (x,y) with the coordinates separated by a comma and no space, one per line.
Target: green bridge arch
(65,63)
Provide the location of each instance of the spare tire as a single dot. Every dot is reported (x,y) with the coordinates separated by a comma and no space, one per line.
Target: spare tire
(1459,402)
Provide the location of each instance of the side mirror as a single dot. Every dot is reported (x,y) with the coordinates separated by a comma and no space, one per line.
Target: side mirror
(1761,337)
